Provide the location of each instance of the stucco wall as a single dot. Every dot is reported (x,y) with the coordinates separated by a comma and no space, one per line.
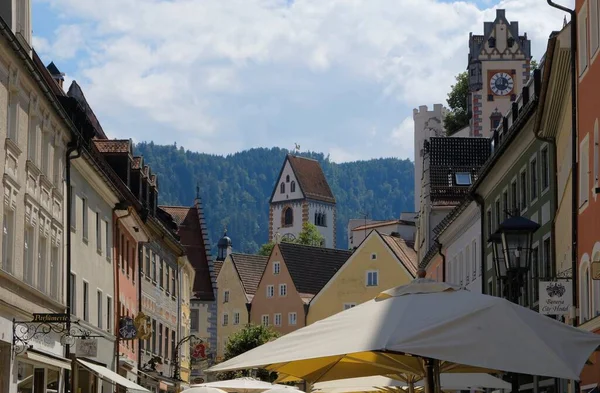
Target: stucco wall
(261,305)
(326,231)
(228,280)
(287,195)
(276,223)
(349,285)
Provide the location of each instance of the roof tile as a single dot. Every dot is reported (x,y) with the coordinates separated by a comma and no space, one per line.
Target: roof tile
(311,178)
(404,251)
(113,145)
(250,268)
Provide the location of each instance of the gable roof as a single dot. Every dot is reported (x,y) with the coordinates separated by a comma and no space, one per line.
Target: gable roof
(451,155)
(250,269)
(311,267)
(311,178)
(378,224)
(403,250)
(191,236)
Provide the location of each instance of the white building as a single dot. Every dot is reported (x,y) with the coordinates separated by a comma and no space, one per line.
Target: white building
(35,136)
(404,228)
(301,195)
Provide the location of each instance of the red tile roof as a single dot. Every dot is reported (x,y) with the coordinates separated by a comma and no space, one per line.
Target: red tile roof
(311,178)
(136,163)
(113,145)
(197,248)
(250,269)
(404,251)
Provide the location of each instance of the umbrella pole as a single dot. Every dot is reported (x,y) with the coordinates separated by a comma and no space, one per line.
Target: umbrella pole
(411,387)
(429,376)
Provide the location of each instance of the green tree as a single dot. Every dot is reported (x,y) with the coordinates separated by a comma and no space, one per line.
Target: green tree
(533,65)
(309,236)
(458,117)
(248,338)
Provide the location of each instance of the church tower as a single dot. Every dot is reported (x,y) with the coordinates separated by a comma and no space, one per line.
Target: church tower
(302,194)
(499,67)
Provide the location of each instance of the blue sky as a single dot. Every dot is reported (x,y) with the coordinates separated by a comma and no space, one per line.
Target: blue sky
(335,76)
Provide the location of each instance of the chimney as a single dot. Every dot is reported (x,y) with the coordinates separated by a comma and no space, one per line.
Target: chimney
(59,77)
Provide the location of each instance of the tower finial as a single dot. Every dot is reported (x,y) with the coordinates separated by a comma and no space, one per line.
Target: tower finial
(296,148)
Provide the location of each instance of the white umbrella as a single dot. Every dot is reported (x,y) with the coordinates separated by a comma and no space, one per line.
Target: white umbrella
(430,320)
(203,389)
(245,385)
(458,381)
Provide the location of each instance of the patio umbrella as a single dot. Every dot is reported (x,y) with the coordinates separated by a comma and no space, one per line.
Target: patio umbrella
(425,319)
(202,389)
(245,385)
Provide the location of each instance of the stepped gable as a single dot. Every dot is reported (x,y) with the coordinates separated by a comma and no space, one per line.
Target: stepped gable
(311,178)
(311,267)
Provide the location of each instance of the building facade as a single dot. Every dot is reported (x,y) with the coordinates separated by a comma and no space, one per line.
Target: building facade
(498,67)
(302,194)
(381,262)
(404,228)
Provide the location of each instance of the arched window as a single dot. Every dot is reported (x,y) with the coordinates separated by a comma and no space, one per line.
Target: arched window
(596,153)
(323,219)
(584,291)
(282,188)
(293,186)
(288,217)
(287,178)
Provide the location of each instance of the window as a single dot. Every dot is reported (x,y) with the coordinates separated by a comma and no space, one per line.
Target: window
(107,240)
(475,264)
(320,219)
(54,272)
(462,178)
(498,213)
(265,320)
(594,30)
(373,256)
(13,116)
(545,169)
(7,239)
(154,262)
(277,319)
(73,208)
(287,178)
(584,171)
(109,313)
(147,256)
(42,263)
(173,284)
(288,217)
(28,254)
(73,285)
(292,318)
(490,228)
(584,295)
(194,319)
(282,188)
(86,302)
(467,265)
(547,269)
(535,269)
(161,273)
(514,197)
(372,278)
(225,296)
(349,305)
(32,142)
(225,319)
(126,258)
(167,281)
(236,318)
(160,339)
(154,336)
(45,165)
(582,22)
(99,308)
(84,218)
(270,291)
(523,176)
(276,267)
(534,179)
(293,186)
(505,204)
(173,345)
(596,151)
(98,233)
(282,289)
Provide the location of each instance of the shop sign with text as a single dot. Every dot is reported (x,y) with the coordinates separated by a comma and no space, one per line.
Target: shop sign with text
(556,297)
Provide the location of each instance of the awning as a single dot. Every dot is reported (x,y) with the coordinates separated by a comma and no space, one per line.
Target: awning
(112,376)
(38,357)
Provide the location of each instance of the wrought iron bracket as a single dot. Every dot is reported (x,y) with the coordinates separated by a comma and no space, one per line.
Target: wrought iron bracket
(26,331)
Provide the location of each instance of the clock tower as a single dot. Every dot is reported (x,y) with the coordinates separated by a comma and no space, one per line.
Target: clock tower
(499,67)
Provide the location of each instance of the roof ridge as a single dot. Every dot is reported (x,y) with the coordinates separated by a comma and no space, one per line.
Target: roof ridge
(315,247)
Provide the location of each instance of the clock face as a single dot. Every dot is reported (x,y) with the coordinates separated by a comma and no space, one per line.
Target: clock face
(501,83)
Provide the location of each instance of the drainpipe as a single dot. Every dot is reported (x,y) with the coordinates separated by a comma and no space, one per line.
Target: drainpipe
(72,147)
(481,203)
(118,206)
(437,242)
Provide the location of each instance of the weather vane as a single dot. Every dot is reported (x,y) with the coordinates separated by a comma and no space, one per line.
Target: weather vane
(296,147)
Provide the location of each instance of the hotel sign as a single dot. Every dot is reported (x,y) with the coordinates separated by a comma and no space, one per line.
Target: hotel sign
(556,297)
(51,318)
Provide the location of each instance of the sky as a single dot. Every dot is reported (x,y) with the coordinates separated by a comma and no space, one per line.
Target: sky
(339,77)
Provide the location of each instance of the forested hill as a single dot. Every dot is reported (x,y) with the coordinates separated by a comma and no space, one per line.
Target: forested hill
(235,189)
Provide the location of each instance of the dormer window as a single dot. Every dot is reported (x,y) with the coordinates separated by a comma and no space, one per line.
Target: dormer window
(462,178)
(293,186)
(282,188)
(492,42)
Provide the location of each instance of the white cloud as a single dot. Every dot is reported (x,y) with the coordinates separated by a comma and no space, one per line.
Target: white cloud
(219,76)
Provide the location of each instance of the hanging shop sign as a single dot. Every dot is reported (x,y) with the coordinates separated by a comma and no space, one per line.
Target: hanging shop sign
(50,318)
(127,329)
(87,347)
(556,297)
(199,351)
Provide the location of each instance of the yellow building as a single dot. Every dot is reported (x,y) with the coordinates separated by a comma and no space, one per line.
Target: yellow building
(380,262)
(187,279)
(237,280)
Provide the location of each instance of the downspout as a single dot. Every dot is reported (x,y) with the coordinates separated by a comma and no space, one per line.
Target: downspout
(574,169)
(71,147)
(481,203)
(443,260)
(118,206)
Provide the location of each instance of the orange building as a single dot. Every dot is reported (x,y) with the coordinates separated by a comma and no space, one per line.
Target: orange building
(588,96)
